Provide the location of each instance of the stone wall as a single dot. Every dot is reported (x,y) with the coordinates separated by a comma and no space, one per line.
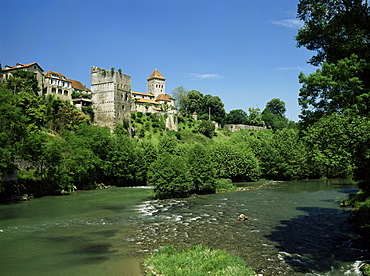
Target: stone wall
(111,96)
(233,128)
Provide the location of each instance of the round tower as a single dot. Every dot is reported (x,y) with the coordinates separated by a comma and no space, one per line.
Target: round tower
(156,84)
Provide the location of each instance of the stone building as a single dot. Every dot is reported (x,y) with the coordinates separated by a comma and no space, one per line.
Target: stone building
(111,96)
(155,100)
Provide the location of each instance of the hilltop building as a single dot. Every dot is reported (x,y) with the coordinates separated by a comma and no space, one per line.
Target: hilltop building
(111,97)
(53,83)
(31,67)
(155,100)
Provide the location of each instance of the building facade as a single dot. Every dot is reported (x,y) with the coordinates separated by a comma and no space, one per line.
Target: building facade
(156,99)
(31,67)
(111,97)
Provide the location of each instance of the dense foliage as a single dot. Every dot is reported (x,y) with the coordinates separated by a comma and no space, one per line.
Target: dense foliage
(335,99)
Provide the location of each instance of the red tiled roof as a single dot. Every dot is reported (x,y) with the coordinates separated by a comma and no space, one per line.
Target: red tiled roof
(164,97)
(78,85)
(156,75)
(20,65)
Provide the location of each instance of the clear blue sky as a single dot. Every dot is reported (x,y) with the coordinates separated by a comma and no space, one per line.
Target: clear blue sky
(240,50)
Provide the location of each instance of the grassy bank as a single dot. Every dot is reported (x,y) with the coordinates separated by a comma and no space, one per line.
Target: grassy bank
(193,261)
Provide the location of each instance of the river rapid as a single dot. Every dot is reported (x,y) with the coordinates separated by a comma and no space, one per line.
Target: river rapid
(294,228)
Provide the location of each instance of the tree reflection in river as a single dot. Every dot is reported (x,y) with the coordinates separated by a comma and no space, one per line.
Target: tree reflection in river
(318,241)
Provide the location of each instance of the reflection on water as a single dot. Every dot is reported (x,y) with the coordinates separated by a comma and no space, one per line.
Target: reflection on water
(294,228)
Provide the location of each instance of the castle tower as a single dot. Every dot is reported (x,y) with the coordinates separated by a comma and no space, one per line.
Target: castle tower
(156,84)
(111,96)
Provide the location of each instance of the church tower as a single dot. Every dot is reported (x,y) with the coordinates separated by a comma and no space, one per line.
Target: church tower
(156,84)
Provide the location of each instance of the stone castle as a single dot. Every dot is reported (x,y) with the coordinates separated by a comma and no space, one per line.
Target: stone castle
(110,98)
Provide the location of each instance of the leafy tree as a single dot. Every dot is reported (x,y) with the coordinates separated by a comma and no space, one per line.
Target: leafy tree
(122,161)
(169,144)
(237,116)
(291,155)
(147,154)
(254,117)
(180,94)
(213,108)
(207,128)
(201,169)
(335,29)
(336,88)
(79,163)
(12,128)
(195,102)
(274,115)
(170,176)
(234,161)
(22,81)
(338,146)
(276,107)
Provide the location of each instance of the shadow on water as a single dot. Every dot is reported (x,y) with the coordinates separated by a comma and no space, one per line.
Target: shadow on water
(318,241)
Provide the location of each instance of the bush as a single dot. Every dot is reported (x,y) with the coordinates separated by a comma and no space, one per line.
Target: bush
(195,261)
(224,185)
(170,176)
(207,128)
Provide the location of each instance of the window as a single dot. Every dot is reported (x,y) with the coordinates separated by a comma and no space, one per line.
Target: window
(53,90)
(66,92)
(60,91)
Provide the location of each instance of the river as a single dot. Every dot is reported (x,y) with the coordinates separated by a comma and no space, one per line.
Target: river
(294,228)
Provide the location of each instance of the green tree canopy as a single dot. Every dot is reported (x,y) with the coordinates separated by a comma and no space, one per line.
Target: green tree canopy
(336,88)
(276,107)
(180,94)
(335,29)
(237,116)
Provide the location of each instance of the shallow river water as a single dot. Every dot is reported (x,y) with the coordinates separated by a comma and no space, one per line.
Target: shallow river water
(294,228)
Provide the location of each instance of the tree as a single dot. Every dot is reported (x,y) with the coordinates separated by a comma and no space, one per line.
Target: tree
(276,107)
(274,114)
(207,128)
(23,81)
(254,117)
(213,108)
(234,161)
(195,102)
(237,116)
(180,94)
(201,169)
(335,29)
(336,88)
(12,128)
(170,176)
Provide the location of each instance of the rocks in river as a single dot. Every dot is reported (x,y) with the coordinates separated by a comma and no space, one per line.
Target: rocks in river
(242,217)
(24,197)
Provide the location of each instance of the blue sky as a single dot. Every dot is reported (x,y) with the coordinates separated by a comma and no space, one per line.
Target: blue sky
(240,50)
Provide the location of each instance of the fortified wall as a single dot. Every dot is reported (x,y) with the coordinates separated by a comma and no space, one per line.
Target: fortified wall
(237,127)
(111,95)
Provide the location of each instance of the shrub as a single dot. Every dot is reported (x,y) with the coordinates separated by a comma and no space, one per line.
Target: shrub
(225,184)
(170,176)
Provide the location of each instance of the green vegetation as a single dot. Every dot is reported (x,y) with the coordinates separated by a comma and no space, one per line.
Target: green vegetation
(335,99)
(197,260)
(64,152)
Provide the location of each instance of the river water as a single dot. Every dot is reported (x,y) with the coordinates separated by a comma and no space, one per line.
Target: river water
(294,228)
